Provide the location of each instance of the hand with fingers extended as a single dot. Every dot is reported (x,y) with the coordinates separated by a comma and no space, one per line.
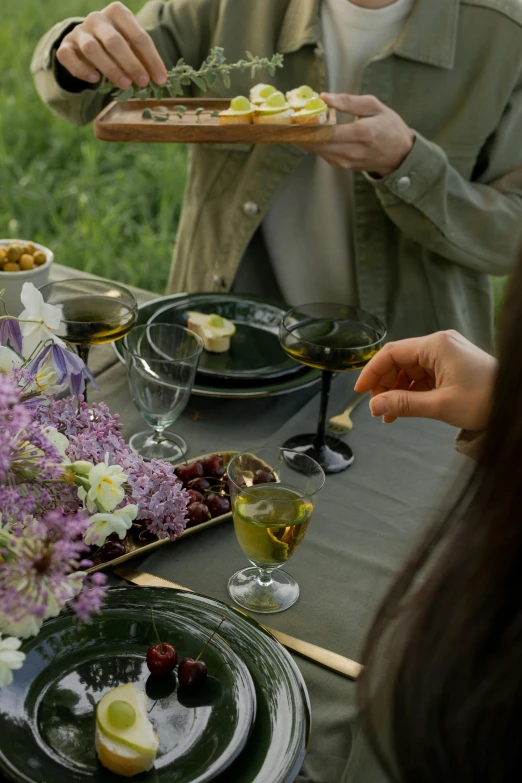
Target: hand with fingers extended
(377,141)
(442,376)
(113,44)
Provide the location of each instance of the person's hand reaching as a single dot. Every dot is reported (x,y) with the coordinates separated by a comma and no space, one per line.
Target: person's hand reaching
(113,44)
(442,376)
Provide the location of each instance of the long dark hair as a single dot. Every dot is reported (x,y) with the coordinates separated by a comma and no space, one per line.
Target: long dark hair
(452,712)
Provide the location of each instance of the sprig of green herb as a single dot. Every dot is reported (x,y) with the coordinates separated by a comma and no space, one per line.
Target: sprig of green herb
(183,75)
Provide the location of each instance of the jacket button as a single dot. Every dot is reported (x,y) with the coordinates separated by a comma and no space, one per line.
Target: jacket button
(250,208)
(403,183)
(219,281)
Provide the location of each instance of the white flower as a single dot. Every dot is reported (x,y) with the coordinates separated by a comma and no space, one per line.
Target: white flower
(103,525)
(10,658)
(9,360)
(106,481)
(87,502)
(46,378)
(59,441)
(44,318)
(29,626)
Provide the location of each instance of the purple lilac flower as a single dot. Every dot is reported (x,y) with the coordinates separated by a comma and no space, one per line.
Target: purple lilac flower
(67,365)
(153,486)
(10,333)
(39,575)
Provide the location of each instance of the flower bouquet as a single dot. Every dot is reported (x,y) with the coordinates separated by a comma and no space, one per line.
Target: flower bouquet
(68,481)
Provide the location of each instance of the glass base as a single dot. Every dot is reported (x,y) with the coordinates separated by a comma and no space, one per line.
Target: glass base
(334,457)
(168,446)
(247,590)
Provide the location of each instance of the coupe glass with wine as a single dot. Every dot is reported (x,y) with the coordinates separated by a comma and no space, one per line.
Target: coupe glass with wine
(332,338)
(93,311)
(273,492)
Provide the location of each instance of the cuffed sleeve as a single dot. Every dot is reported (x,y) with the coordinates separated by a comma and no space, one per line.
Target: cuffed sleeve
(475,224)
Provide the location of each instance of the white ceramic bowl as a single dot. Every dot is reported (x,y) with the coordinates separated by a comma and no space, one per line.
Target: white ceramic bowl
(12,282)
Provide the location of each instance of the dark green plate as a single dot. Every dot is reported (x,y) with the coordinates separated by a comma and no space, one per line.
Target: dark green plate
(236,388)
(255,351)
(47,717)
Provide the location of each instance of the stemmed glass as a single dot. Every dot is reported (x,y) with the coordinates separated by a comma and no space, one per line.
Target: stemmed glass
(332,338)
(273,493)
(93,311)
(161,364)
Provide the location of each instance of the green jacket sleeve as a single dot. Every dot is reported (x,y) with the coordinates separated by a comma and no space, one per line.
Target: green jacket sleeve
(475,224)
(180,28)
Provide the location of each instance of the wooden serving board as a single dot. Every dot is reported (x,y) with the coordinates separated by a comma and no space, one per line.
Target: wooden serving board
(123,122)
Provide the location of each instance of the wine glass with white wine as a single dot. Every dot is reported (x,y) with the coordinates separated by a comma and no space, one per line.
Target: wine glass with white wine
(273,493)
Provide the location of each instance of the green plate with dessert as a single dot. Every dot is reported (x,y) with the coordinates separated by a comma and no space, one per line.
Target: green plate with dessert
(208,385)
(248,721)
(86,707)
(253,350)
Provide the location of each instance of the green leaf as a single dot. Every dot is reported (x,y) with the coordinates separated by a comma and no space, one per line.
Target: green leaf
(181,109)
(210,78)
(146,114)
(106,87)
(158,91)
(161,117)
(214,113)
(226,80)
(250,56)
(161,109)
(185,81)
(181,61)
(271,70)
(2,292)
(200,110)
(145,92)
(125,95)
(200,82)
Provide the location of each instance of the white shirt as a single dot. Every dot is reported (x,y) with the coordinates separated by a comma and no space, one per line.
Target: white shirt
(308,229)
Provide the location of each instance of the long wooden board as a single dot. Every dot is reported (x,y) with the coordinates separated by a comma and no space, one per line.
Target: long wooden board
(123,122)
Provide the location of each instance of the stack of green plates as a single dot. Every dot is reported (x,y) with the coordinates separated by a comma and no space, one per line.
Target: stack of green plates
(249,722)
(255,365)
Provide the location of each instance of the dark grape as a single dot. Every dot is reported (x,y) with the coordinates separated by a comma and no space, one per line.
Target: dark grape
(217,504)
(199,484)
(263,477)
(197,513)
(213,466)
(112,549)
(195,497)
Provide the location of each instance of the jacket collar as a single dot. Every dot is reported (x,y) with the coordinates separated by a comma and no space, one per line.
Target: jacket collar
(429,37)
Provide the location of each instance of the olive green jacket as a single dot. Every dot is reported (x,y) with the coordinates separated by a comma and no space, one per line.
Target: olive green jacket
(428,235)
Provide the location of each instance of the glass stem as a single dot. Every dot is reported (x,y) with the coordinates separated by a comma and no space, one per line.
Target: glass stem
(265,577)
(83,353)
(320,438)
(158,434)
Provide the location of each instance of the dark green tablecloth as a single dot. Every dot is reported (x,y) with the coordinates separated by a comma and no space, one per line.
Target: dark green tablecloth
(366,521)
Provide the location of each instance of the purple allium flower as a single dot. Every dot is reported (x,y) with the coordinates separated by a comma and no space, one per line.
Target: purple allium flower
(38,573)
(10,333)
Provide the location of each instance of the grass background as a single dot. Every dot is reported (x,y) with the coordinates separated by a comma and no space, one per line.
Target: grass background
(110,209)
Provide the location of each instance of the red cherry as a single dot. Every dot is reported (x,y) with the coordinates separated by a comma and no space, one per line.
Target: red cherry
(263,477)
(112,549)
(197,513)
(186,473)
(191,673)
(217,504)
(199,485)
(194,496)
(213,466)
(161,659)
